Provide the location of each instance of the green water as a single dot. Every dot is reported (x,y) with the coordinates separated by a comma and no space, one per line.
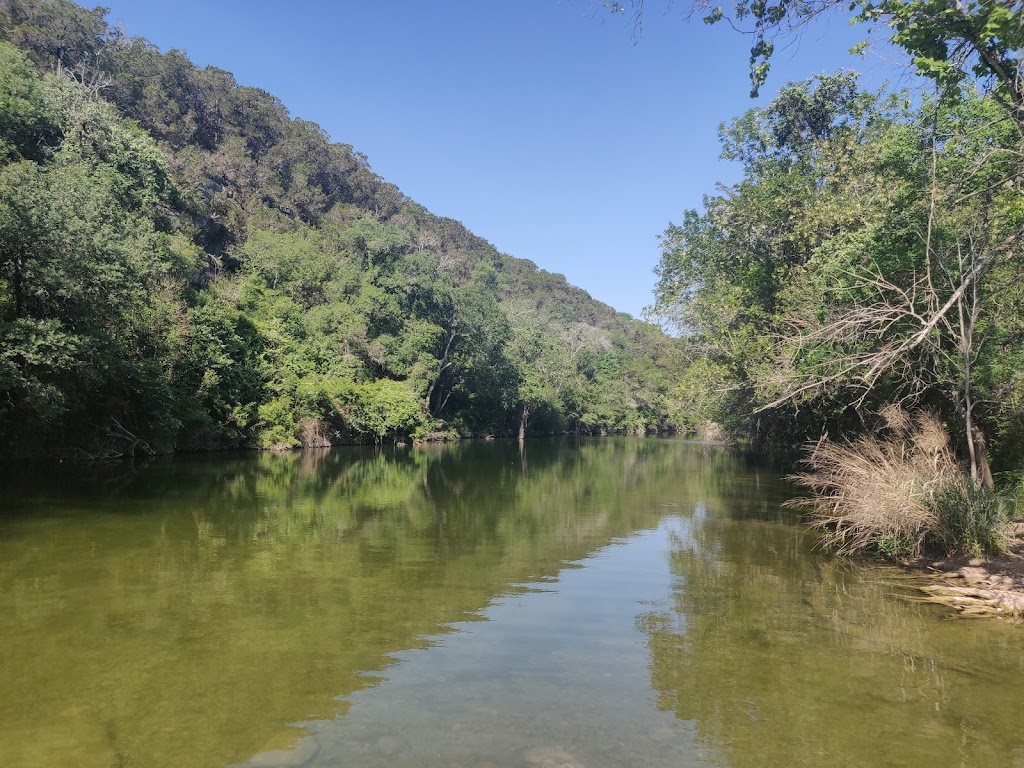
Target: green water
(618,602)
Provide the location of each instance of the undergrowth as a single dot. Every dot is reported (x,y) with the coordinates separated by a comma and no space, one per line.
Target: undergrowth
(901,493)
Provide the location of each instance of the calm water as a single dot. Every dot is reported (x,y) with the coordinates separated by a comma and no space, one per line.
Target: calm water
(607,603)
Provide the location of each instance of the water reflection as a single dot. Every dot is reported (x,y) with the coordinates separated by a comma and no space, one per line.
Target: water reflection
(785,658)
(599,603)
(187,612)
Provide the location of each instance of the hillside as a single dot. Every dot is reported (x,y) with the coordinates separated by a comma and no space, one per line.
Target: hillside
(184,266)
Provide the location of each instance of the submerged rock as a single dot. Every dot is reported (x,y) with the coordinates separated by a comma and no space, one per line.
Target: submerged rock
(550,757)
(298,756)
(389,746)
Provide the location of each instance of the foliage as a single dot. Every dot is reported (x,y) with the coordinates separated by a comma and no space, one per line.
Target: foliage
(184,266)
(972,517)
(868,255)
(385,407)
(90,270)
(977,43)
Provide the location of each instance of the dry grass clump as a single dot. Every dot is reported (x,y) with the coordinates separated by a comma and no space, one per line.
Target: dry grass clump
(884,492)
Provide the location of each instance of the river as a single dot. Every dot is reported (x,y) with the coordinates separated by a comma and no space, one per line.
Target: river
(564,604)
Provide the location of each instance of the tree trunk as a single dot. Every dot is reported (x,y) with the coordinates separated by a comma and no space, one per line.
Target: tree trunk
(984,471)
(524,415)
(442,366)
(19,290)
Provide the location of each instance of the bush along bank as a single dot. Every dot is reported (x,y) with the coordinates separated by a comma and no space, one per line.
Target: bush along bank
(902,494)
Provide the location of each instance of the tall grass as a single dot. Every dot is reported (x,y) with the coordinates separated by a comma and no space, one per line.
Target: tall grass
(900,492)
(972,518)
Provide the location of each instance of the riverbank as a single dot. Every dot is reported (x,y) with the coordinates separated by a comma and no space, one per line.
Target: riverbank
(980,586)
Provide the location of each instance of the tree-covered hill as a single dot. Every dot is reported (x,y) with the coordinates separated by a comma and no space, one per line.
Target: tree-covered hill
(184,266)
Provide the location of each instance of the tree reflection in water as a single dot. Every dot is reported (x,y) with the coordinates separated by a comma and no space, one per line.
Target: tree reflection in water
(783,657)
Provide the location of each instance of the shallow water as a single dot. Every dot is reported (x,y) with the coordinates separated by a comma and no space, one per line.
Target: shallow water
(617,602)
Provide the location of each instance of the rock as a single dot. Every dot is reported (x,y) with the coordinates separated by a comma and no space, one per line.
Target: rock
(976,601)
(388,745)
(550,757)
(663,734)
(296,757)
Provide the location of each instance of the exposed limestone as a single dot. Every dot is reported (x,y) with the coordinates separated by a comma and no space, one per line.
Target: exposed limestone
(982,587)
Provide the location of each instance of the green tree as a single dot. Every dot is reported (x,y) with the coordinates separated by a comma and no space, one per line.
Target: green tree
(90,275)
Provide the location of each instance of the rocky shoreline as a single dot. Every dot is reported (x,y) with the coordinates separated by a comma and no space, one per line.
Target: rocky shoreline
(980,586)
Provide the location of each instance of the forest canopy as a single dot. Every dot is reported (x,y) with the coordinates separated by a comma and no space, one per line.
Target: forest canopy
(870,255)
(184,266)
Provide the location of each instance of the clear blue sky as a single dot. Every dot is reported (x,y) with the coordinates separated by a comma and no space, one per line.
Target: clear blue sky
(539,124)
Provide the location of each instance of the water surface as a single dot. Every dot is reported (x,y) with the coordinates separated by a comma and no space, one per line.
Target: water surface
(617,602)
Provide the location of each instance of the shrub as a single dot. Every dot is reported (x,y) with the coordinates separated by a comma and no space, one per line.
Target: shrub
(900,493)
(278,428)
(971,517)
(386,408)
